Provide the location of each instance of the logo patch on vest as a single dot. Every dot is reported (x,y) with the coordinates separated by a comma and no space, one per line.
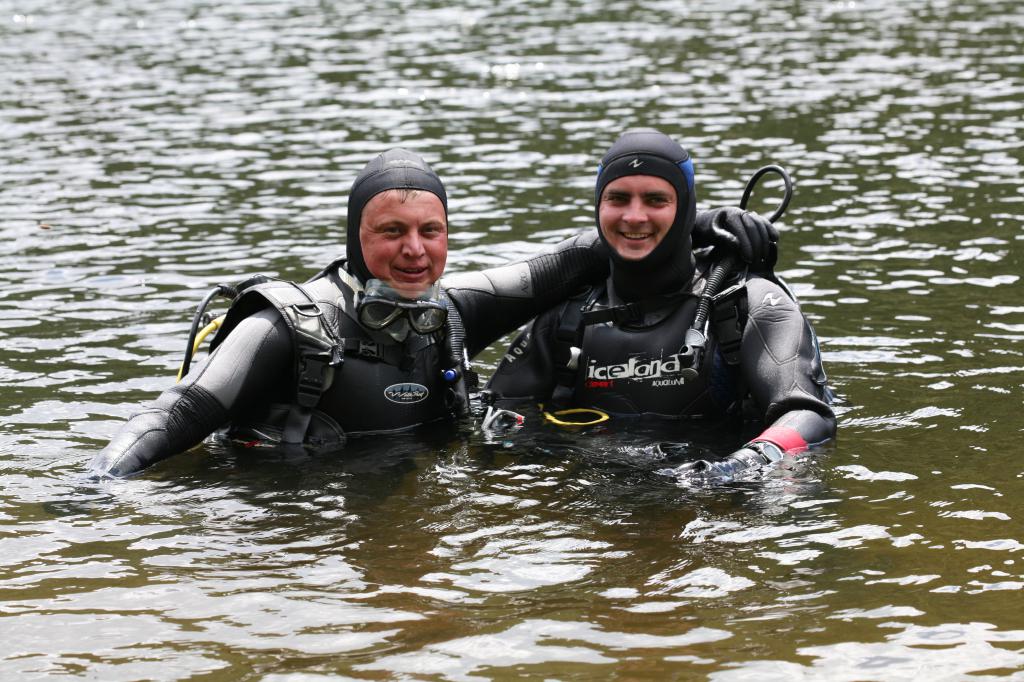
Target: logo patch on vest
(406,394)
(658,371)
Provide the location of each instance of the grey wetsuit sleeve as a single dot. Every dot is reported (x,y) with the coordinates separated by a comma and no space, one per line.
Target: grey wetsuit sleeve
(782,364)
(255,356)
(526,373)
(498,300)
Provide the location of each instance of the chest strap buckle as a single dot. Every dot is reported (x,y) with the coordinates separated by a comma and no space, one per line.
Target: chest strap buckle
(315,372)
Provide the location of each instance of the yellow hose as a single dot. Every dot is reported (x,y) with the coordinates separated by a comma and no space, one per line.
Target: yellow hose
(204,332)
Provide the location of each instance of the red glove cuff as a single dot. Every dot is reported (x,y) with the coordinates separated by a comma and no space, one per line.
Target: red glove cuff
(786,439)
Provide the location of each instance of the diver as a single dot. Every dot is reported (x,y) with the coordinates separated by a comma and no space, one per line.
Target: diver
(628,346)
(375,342)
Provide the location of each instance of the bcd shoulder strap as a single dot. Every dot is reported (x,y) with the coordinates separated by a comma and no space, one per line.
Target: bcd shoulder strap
(729,317)
(318,350)
(569,342)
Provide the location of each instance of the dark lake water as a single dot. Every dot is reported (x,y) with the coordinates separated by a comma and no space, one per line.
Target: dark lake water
(151,150)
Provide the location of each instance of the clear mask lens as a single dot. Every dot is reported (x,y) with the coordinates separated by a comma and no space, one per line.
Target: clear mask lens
(427,319)
(378,314)
(381,307)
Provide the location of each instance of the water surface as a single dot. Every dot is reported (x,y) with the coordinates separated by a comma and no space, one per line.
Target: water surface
(147,153)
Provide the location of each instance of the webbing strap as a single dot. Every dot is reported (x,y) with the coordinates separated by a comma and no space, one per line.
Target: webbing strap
(568,341)
(620,314)
(729,316)
(318,350)
(371,350)
(633,311)
(315,370)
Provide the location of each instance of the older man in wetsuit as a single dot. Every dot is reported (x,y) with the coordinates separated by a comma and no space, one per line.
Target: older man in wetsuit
(372,344)
(621,348)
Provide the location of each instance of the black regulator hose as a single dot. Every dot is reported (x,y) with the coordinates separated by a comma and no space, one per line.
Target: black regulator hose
(786,197)
(228,291)
(695,336)
(197,322)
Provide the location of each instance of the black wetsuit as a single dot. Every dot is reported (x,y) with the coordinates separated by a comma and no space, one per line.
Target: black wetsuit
(639,367)
(249,381)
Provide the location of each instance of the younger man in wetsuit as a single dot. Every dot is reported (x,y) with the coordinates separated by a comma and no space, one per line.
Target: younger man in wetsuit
(620,347)
(371,344)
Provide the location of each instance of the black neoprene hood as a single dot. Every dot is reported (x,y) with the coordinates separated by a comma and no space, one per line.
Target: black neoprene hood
(646,151)
(394,169)
(669,266)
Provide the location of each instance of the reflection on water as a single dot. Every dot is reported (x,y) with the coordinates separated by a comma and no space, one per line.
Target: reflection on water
(150,152)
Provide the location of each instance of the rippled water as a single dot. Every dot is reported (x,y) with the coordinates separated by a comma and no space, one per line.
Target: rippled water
(148,151)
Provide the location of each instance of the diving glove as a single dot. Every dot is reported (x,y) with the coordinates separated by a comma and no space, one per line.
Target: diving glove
(747,235)
(756,454)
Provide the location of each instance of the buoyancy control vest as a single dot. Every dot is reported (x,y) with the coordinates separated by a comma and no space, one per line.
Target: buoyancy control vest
(642,366)
(349,380)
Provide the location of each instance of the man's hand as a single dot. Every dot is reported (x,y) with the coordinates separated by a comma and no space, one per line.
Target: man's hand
(747,235)
(752,455)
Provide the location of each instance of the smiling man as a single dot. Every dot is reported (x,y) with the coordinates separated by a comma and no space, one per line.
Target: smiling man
(371,344)
(621,348)
(636,212)
(405,242)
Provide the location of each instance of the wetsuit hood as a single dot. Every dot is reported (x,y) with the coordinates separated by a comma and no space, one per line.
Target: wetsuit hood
(394,169)
(670,266)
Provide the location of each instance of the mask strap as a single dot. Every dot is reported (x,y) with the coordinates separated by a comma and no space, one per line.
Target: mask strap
(351,282)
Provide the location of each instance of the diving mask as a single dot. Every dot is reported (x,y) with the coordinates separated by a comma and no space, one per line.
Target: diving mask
(381,307)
